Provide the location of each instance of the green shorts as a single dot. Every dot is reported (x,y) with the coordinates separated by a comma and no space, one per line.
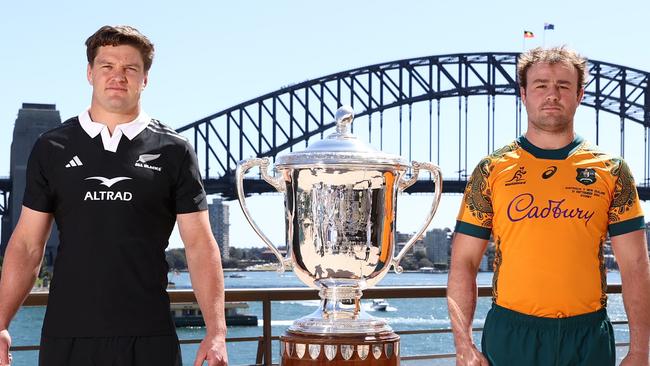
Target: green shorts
(512,338)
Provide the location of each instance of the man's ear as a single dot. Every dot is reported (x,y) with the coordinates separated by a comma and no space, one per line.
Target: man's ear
(581,94)
(89,74)
(522,93)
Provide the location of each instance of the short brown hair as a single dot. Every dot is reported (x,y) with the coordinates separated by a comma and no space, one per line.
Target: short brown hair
(117,36)
(551,56)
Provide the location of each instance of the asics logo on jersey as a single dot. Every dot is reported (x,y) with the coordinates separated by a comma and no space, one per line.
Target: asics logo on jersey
(108,195)
(74,162)
(108,182)
(143,159)
(549,172)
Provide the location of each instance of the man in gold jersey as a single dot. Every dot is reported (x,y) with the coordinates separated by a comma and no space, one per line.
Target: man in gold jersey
(548,200)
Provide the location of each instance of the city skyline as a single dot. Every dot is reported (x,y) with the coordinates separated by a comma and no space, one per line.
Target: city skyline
(213,55)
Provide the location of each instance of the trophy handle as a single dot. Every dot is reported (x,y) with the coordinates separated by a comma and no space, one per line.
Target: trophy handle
(277,183)
(403,184)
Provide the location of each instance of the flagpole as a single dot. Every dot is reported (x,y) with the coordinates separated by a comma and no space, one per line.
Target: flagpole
(544,37)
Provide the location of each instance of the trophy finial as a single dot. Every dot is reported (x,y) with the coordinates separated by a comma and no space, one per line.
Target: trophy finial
(344,117)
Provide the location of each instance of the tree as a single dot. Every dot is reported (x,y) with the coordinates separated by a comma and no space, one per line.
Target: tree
(408,264)
(419,255)
(424,262)
(176,259)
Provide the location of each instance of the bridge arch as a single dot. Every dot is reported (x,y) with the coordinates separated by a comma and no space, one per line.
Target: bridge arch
(278,121)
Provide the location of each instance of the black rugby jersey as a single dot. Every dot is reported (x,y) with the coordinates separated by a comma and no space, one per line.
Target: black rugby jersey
(115,212)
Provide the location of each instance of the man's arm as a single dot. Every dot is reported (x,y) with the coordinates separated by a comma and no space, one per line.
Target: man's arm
(462,294)
(204,262)
(631,253)
(20,268)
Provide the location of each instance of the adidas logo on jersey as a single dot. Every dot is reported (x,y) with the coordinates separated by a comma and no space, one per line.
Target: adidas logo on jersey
(144,159)
(74,162)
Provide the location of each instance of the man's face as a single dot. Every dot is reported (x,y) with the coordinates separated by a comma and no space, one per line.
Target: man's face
(551,96)
(118,77)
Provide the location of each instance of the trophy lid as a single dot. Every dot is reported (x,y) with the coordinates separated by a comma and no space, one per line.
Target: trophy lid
(341,148)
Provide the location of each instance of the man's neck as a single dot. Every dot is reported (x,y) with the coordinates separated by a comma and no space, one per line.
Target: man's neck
(112,119)
(550,141)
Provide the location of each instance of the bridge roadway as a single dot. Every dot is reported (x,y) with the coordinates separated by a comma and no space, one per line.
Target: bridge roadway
(226,186)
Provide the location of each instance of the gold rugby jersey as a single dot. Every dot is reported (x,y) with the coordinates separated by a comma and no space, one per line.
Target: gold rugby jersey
(549,212)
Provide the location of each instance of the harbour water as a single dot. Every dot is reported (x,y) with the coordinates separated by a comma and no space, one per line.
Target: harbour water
(402,314)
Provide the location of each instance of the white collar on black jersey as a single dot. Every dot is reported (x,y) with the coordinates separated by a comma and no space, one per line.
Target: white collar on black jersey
(110,142)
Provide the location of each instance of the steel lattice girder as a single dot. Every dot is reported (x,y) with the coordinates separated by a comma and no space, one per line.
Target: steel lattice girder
(277,121)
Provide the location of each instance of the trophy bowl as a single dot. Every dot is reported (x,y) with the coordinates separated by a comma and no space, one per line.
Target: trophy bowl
(340,208)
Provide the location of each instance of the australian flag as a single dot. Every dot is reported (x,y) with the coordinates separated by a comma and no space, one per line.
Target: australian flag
(548,26)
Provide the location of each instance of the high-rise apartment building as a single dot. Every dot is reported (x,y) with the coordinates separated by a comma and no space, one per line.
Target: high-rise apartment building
(437,243)
(33,119)
(220,223)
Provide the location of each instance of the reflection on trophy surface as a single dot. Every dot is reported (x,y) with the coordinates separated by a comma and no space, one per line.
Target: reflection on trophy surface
(340,207)
(340,226)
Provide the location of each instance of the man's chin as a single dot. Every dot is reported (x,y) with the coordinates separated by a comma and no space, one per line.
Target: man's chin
(553,124)
(120,107)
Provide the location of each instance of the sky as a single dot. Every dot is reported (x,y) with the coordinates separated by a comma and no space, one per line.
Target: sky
(211,55)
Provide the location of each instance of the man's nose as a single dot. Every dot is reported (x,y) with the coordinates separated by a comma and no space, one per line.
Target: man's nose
(553,93)
(119,74)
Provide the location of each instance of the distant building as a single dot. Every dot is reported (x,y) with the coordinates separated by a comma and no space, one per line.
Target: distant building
(400,242)
(438,243)
(220,223)
(488,256)
(33,119)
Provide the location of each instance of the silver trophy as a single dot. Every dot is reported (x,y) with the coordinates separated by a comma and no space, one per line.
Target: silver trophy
(340,209)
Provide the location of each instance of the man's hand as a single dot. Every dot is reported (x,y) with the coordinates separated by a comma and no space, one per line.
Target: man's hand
(5,344)
(213,350)
(470,356)
(636,359)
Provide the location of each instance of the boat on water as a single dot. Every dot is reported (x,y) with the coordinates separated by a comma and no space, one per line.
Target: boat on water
(379,305)
(188,314)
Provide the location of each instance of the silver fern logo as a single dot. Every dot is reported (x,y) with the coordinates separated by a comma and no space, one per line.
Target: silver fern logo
(144,159)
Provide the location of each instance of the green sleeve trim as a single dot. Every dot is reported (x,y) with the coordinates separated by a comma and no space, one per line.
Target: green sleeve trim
(627,226)
(473,230)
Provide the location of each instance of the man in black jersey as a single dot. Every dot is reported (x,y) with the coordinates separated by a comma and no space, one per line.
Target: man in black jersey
(116,181)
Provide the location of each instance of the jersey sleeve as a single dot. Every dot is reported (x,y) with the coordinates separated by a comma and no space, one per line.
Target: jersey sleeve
(38,195)
(625,212)
(475,216)
(189,193)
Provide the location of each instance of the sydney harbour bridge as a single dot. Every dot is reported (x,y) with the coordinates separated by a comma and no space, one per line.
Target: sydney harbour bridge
(448,109)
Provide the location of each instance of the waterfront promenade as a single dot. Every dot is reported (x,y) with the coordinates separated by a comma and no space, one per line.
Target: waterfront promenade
(417,311)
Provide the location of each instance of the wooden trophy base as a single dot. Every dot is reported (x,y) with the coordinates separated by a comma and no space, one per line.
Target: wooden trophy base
(299,349)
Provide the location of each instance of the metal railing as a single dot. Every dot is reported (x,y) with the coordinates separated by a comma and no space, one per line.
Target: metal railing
(268,295)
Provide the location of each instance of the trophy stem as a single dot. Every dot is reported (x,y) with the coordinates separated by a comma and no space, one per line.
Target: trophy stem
(340,311)
(340,301)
